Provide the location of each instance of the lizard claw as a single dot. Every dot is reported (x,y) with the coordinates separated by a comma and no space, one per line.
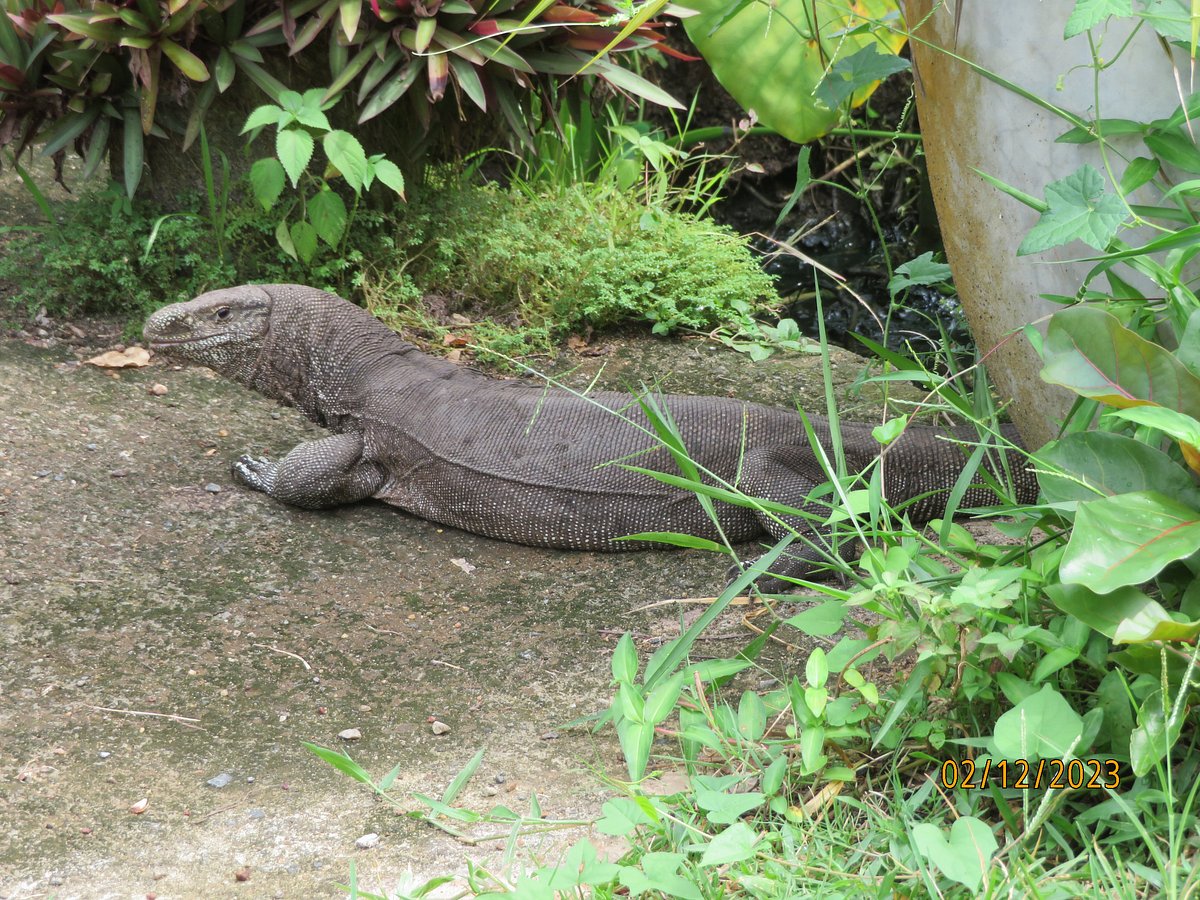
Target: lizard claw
(254,472)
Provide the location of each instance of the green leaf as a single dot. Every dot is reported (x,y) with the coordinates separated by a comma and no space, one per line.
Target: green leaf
(1090,13)
(1091,353)
(963,856)
(737,842)
(657,874)
(67,129)
(752,717)
(1139,171)
(1128,539)
(284,238)
(821,620)
(464,775)
(675,540)
(185,61)
(772,56)
(133,149)
(1175,148)
(327,212)
(304,239)
(1042,726)
(620,816)
(264,115)
(267,180)
(624,660)
(861,69)
(346,154)
(723,808)
(467,76)
(341,762)
(1111,464)
(628,80)
(294,148)
(661,701)
(1153,738)
(635,738)
(225,69)
(1178,425)
(922,270)
(816,669)
(350,12)
(1079,209)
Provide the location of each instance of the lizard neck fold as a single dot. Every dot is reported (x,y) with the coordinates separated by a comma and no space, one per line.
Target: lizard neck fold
(321,355)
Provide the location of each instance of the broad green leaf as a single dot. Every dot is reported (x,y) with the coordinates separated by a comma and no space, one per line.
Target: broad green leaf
(620,816)
(1095,129)
(1153,623)
(964,856)
(660,702)
(1090,352)
(350,12)
(1079,209)
(820,620)
(657,874)
(752,717)
(294,148)
(346,154)
(389,173)
(1128,539)
(467,76)
(624,660)
(1112,464)
(772,56)
(1042,726)
(284,238)
(816,668)
(1175,148)
(1112,698)
(267,181)
(812,747)
(304,239)
(134,149)
(922,270)
(862,69)
(1090,13)
(225,69)
(327,212)
(635,738)
(737,842)
(67,129)
(264,115)
(1183,428)
(1103,612)
(1140,170)
(185,61)
(1173,19)
(724,808)
(1153,738)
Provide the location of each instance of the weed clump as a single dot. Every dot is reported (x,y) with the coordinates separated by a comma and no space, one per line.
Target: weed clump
(543,265)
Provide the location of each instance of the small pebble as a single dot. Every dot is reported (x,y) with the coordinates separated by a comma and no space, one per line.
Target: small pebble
(257,813)
(550,736)
(118,473)
(220,781)
(242,874)
(439,728)
(500,778)
(43,473)
(158,389)
(212,487)
(350,734)
(104,754)
(90,446)
(249,779)
(490,791)
(55,880)
(367,841)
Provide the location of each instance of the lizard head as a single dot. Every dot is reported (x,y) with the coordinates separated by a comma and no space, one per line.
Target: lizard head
(223,330)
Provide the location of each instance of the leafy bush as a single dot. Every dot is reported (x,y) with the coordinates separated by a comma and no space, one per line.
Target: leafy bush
(67,76)
(97,261)
(571,260)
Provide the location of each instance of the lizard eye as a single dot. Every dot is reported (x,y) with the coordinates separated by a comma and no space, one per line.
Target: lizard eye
(223,313)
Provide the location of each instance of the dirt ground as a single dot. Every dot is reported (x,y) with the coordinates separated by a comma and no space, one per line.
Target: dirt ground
(163,627)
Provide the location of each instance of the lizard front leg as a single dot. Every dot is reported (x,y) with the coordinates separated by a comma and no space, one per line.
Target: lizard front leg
(316,474)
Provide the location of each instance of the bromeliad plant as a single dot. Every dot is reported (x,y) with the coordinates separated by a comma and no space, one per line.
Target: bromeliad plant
(71,71)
